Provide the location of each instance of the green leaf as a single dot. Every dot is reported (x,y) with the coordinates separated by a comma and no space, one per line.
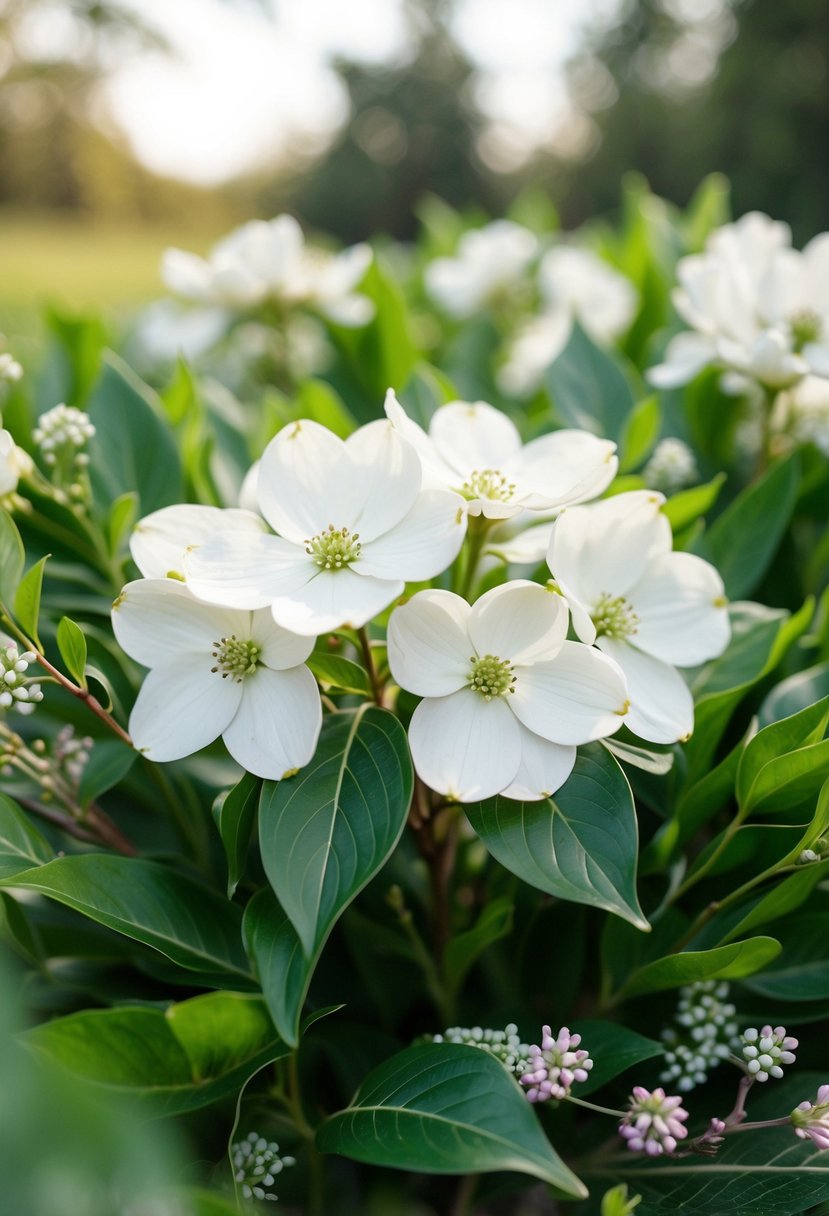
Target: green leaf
(109,761)
(802,970)
(188,1056)
(382,353)
(339,674)
(787,780)
(234,813)
(134,448)
(579,845)
(732,962)
(614,1049)
(12,558)
(445,1108)
(776,740)
(639,433)
(745,538)
(464,949)
(589,388)
(788,895)
(148,902)
(27,599)
(318,401)
(21,845)
(770,1173)
(122,515)
(72,646)
(276,953)
(326,832)
(686,507)
(795,693)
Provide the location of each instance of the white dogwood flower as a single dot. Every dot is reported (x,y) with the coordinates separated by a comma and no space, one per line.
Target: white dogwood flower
(475,450)
(650,609)
(575,285)
(353,527)
(217,671)
(489,263)
(506,698)
(14,464)
(269,260)
(160,540)
(754,305)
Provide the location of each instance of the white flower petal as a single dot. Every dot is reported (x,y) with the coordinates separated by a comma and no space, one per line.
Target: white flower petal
(520,622)
(561,469)
(181,708)
(159,540)
(334,599)
(306,483)
(686,355)
(525,548)
(437,474)
(422,545)
(604,549)
(428,644)
(156,620)
(661,705)
(473,436)
(279,649)
(186,274)
(465,747)
(387,476)
(247,571)
(543,769)
(681,605)
(578,696)
(277,725)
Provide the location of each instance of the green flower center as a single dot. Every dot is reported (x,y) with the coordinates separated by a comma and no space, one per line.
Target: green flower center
(488,483)
(235,659)
(491,676)
(806,326)
(614,617)
(334,548)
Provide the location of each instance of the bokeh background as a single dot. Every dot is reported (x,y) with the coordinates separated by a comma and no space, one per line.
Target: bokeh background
(128,125)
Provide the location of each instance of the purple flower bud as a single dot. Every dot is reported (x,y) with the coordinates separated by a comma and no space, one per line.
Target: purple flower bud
(555,1066)
(811,1119)
(654,1123)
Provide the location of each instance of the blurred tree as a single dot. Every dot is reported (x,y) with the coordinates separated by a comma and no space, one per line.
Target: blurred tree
(703,85)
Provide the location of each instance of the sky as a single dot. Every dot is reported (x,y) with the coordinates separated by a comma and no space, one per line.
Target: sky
(244,87)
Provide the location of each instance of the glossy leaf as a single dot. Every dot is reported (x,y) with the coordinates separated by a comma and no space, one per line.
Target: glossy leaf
(579,845)
(148,902)
(787,781)
(589,389)
(686,507)
(445,1108)
(190,1055)
(72,646)
(234,813)
(27,599)
(276,952)
(777,740)
(801,973)
(325,832)
(339,674)
(21,844)
(795,693)
(789,894)
(731,962)
(12,558)
(109,762)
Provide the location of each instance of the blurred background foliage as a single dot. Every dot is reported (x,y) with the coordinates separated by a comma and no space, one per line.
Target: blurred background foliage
(674,89)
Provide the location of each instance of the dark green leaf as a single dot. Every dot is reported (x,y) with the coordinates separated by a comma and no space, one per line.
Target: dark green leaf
(109,761)
(27,599)
(148,902)
(21,845)
(335,672)
(784,898)
(787,781)
(283,970)
(579,845)
(778,739)
(614,1049)
(731,962)
(325,832)
(464,949)
(72,646)
(134,449)
(192,1054)
(589,388)
(801,972)
(444,1108)
(12,558)
(745,538)
(795,693)
(234,813)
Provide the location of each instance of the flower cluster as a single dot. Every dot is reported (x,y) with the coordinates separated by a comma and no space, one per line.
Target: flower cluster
(14,464)
(811,1119)
(706,1034)
(256,1164)
(766,1050)
(10,369)
(505,1045)
(654,1122)
(555,1066)
(672,466)
(754,305)
(60,429)
(17,690)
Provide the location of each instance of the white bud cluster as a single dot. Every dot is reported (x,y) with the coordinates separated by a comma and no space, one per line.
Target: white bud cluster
(72,753)
(256,1163)
(16,689)
(671,467)
(504,1044)
(766,1050)
(10,369)
(63,427)
(705,1038)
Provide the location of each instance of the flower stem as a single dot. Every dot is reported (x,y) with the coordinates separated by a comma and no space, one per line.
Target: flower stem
(83,694)
(377,689)
(602,1110)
